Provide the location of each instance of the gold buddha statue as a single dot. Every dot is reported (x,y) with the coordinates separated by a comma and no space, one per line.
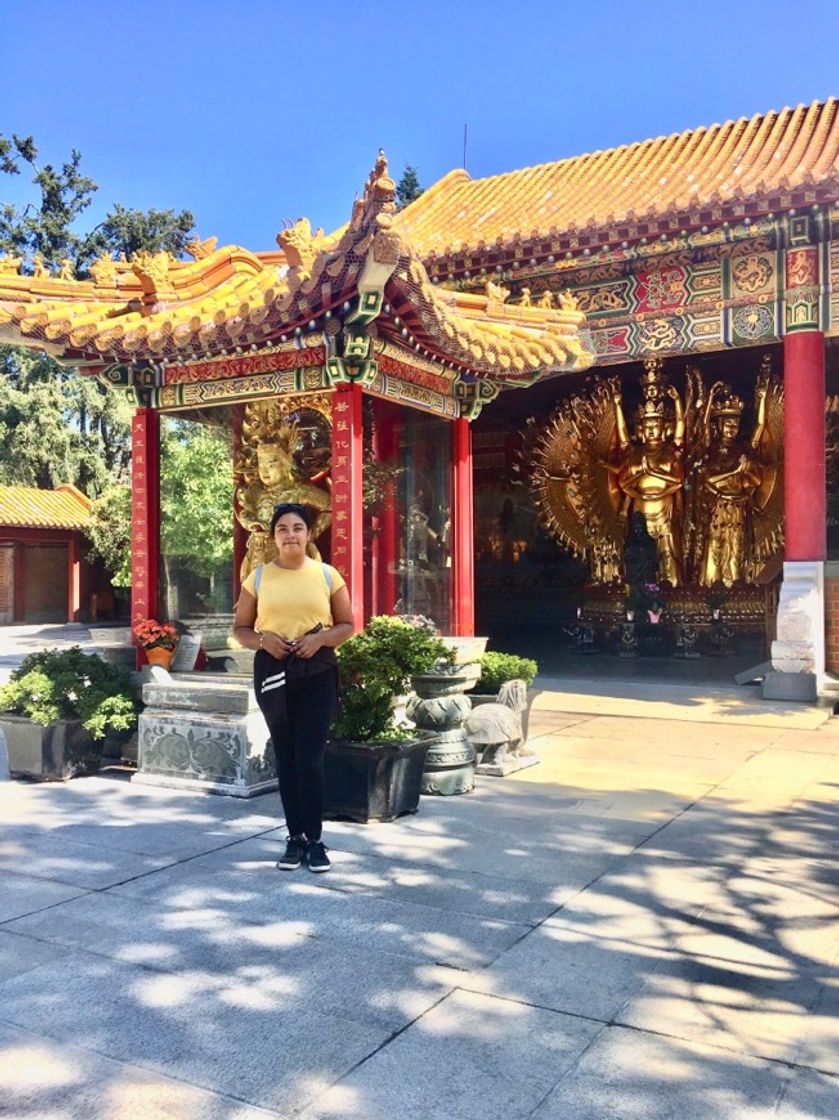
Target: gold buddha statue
(650,473)
(731,476)
(277,480)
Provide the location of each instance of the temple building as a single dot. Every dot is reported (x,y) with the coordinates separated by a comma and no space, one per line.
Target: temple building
(591,398)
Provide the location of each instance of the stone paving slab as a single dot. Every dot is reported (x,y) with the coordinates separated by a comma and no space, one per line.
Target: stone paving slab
(45,1080)
(629,1075)
(481,896)
(650,700)
(253,891)
(25,894)
(470,1056)
(20,954)
(278,959)
(77,865)
(752,1009)
(601,948)
(809,1096)
(245,1040)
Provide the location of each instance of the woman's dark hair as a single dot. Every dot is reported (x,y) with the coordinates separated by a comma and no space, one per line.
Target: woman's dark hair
(291,507)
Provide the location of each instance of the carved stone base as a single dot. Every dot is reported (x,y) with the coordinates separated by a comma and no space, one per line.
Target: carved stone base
(204,735)
(449,764)
(507,765)
(799,646)
(800,687)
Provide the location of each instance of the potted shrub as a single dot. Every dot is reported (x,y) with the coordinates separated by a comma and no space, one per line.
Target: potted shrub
(373,766)
(496,669)
(57,709)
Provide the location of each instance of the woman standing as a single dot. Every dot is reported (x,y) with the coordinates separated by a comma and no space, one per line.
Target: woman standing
(294,612)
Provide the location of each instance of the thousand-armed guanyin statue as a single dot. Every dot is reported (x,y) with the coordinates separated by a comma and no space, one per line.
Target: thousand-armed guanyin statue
(713,503)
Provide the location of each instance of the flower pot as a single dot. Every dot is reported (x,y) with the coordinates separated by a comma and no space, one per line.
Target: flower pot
(159,655)
(373,781)
(52,753)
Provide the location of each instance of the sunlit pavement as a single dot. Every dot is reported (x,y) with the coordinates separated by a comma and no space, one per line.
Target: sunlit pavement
(643,926)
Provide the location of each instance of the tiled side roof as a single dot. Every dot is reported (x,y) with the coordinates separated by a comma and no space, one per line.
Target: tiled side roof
(31,508)
(671,174)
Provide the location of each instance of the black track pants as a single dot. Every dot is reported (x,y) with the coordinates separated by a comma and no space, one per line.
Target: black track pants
(299,711)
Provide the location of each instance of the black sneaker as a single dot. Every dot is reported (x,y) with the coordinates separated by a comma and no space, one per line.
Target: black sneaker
(294,854)
(318,859)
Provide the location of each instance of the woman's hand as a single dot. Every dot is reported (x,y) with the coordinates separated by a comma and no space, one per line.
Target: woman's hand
(276,645)
(307,646)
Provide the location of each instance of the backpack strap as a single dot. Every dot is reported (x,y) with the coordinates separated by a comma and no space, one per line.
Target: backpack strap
(327,575)
(257,580)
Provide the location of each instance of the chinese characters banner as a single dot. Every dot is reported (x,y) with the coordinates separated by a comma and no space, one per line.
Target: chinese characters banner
(145,513)
(347,451)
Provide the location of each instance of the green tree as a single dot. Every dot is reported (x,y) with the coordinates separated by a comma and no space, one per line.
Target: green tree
(196,499)
(56,425)
(408,188)
(46,224)
(109,532)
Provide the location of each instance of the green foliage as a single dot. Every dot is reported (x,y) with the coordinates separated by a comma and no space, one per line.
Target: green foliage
(70,684)
(196,495)
(46,225)
(109,532)
(125,232)
(57,426)
(376,667)
(497,668)
(408,188)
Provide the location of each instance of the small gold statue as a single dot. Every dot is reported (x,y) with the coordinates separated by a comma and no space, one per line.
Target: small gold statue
(547,298)
(39,268)
(497,292)
(10,264)
(525,300)
(67,270)
(731,476)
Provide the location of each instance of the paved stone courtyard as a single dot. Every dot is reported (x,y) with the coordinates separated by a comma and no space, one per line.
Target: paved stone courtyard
(644,926)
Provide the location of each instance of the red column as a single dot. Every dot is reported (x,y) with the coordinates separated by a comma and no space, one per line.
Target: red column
(805,500)
(463,590)
(19,582)
(386,450)
(347,514)
(240,536)
(145,513)
(74,578)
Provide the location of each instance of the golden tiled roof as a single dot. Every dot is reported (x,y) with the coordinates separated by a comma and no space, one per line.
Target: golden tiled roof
(229,300)
(31,508)
(743,159)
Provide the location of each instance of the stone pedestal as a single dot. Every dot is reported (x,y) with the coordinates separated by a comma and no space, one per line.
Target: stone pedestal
(798,651)
(441,707)
(204,734)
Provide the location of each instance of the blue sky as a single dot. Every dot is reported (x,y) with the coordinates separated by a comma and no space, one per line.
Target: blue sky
(247,113)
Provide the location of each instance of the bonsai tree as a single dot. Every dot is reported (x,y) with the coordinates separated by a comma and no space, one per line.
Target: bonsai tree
(69,684)
(376,666)
(496,668)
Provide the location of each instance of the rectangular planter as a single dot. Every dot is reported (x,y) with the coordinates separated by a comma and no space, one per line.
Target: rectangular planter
(54,753)
(373,781)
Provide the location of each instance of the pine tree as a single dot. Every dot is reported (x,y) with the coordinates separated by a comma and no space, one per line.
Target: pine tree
(408,188)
